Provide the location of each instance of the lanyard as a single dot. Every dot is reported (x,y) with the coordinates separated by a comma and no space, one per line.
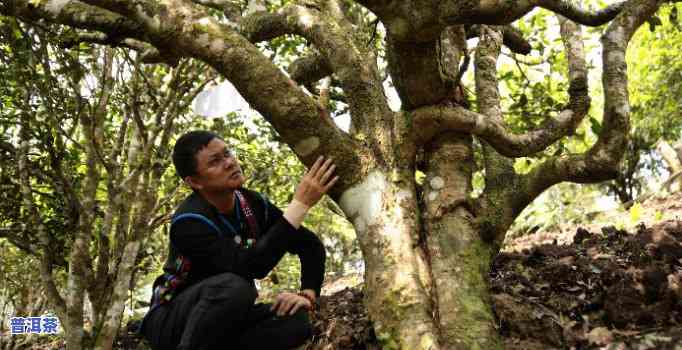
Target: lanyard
(242,203)
(228,223)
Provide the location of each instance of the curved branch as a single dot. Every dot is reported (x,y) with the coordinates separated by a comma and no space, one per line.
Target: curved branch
(501,203)
(357,73)
(505,12)
(405,26)
(110,28)
(572,11)
(601,162)
(140,11)
(186,29)
(494,212)
(432,120)
(309,69)
(74,14)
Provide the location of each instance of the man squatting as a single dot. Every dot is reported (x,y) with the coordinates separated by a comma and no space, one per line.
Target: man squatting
(222,236)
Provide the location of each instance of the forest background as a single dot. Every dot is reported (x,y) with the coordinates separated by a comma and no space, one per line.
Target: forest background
(86,132)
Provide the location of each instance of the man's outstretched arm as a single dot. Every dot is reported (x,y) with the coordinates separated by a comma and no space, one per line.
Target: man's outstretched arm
(310,251)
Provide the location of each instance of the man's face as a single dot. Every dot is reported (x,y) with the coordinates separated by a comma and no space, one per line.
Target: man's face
(217,169)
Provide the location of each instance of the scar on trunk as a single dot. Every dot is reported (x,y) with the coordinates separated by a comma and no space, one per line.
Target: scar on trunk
(307,146)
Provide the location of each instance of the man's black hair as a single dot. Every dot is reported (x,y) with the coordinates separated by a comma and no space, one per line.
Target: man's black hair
(186,148)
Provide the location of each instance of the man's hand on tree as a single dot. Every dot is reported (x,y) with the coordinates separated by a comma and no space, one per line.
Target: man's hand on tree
(289,303)
(314,184)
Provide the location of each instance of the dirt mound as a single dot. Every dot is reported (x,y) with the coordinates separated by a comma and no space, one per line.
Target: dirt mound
(342,323)
(609,288)
(652,212)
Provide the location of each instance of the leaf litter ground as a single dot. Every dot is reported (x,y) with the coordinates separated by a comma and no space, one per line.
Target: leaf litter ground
(603,288)
(610,289)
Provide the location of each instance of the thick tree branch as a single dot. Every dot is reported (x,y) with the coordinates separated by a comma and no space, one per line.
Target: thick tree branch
(110,28)
(432,120)
(357,73)
(264,26)
(74,14)
(309,69)
(572,11)
(140,11)
(294,115)
(512,38)
(505,12)
(415,72)
(404,25)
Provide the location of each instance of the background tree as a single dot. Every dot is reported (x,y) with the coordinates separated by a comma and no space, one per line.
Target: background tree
(271,169)
(427,245)
(91,151)
(20,293)
(655,113)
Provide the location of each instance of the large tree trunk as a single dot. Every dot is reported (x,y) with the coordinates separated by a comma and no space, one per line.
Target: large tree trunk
(460,259)
(425,268)
(384,211)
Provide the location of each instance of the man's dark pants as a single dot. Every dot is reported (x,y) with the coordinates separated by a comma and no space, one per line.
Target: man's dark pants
(219,313)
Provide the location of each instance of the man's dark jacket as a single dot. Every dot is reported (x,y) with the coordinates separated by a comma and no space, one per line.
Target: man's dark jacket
(203,243)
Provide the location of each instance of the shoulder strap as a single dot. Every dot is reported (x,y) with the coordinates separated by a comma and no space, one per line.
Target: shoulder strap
(250,217)
(198,217)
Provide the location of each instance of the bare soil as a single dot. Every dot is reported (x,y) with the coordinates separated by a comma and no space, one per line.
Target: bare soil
(609,289)
(588,287)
